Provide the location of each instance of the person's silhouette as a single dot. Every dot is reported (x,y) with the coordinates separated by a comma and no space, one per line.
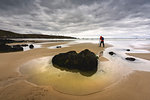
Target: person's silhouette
(101,41)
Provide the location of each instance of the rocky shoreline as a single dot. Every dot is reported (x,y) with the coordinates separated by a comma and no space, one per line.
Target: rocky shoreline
(4,48)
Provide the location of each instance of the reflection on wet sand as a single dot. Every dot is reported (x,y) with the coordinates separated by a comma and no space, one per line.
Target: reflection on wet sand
(41,72)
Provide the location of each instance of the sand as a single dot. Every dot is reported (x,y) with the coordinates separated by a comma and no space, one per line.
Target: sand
(140,55)
(14,86)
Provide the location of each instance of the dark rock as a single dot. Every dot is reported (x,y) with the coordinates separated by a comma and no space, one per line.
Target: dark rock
(24,45)
(127,49)
(58,46)
(112,53)
(84,62)
(31,46)
(7,48)
(17,48)
(4,41)
(87,60)
(130,59)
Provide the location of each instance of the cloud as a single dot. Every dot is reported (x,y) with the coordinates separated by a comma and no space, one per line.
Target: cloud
(81,18)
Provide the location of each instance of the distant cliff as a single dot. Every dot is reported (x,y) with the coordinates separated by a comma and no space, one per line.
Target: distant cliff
(8,34)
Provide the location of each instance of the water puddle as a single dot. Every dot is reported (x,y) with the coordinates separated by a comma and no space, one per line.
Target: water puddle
(41,72)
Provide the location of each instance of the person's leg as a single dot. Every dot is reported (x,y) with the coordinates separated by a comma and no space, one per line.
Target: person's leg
(100,44)
(103,44)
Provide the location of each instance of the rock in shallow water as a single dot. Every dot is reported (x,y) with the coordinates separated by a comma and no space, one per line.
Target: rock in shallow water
(58,46)
(112,53)
(127,49)
(31,46)
(7,48)
(130,59)
(84,62)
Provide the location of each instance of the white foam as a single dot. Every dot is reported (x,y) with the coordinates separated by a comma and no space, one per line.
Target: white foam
(35,46)
(139,64)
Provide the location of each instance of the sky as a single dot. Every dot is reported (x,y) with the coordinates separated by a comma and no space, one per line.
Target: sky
(78,18)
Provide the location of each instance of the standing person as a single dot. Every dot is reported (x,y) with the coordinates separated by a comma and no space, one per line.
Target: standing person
(101,41)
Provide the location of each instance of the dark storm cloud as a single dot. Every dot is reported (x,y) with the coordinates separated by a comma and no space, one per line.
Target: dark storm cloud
(110,17)
(9,7)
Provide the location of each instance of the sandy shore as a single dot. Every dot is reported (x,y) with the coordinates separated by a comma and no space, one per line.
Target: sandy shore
(13,85)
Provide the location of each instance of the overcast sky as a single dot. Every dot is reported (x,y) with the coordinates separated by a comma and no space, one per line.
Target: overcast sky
(80,18)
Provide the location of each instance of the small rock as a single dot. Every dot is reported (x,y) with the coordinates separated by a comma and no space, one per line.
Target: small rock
(112,53)
(127,49)
(130,59)
(24,45)
(58,46)
(31,46)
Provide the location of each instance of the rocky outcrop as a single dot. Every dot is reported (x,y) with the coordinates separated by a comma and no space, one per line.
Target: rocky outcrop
(84,62)
(7,48)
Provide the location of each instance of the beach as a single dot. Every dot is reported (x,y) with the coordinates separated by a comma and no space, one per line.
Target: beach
(124,83)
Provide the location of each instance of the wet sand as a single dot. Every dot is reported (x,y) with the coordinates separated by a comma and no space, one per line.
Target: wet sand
(14,86)
(142,55)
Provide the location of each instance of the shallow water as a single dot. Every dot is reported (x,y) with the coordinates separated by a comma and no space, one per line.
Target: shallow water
(137,65)
(41,72)
(35,46)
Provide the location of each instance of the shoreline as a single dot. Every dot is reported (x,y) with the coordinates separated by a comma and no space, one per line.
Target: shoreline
(10,79)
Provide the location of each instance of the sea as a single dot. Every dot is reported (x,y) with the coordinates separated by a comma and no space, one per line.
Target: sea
(117,42)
